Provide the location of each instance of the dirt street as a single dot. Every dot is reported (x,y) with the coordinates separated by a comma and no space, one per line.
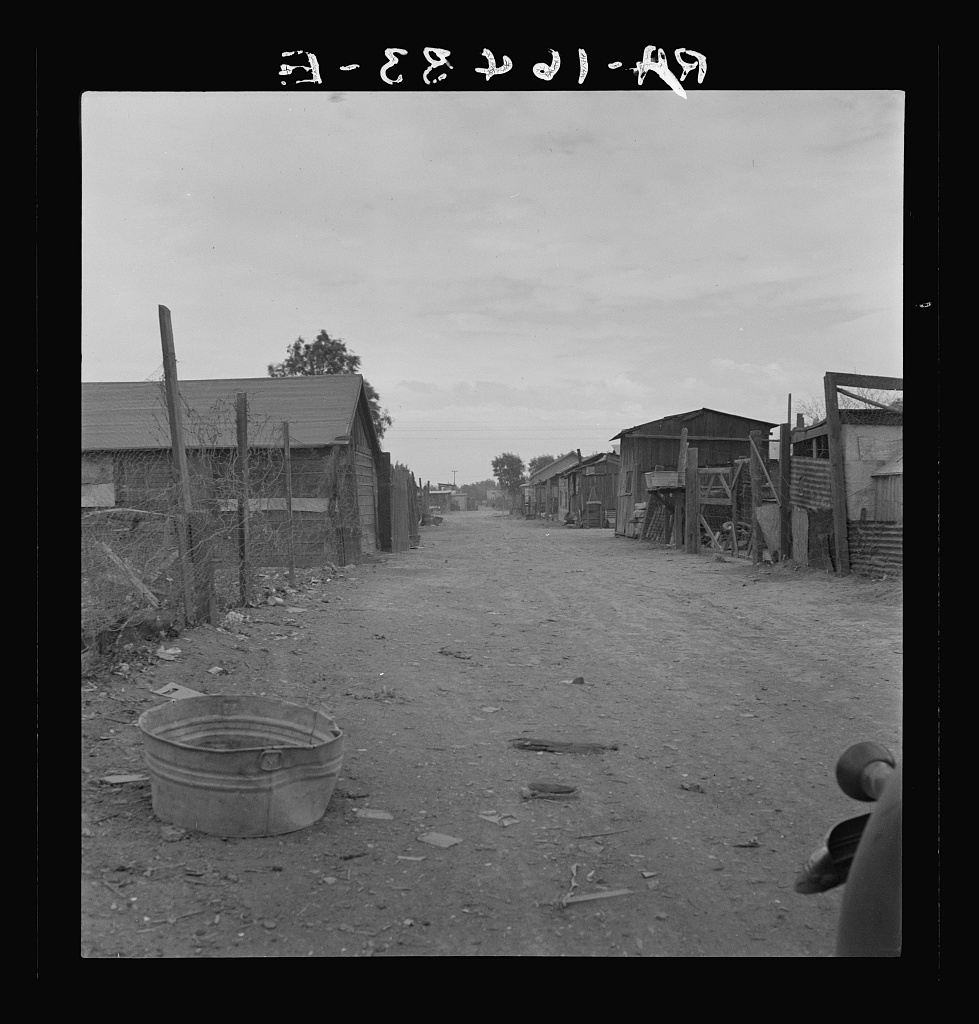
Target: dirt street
(719,694)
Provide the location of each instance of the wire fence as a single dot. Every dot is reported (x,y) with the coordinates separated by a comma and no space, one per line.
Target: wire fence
(268,510)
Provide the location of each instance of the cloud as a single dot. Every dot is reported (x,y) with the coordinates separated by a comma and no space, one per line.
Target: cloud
(771,372)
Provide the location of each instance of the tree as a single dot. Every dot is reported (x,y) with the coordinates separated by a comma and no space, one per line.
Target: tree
(478,490)
(814,409)
(509,472)
(539,462)
(328,355)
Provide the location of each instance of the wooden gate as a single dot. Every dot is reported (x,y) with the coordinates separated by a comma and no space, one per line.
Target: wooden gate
(402,484)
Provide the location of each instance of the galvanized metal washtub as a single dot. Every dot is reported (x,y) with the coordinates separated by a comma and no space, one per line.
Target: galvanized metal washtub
(240,766)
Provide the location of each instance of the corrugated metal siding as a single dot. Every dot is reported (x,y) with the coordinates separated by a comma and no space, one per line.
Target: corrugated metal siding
(810,485)
(889,498)
(876,546)
(366,500)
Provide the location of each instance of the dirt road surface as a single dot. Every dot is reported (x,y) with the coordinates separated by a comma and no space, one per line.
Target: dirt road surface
(718,696)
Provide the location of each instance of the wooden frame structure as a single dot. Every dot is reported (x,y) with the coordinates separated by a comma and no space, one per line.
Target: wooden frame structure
(832,385)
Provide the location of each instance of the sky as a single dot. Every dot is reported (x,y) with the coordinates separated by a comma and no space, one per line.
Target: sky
(525,272)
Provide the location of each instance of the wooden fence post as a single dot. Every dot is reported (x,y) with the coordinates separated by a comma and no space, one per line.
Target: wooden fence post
(785,491)
(180,463)
(692,525)
(678,496)
(290,535)
(837,474)
(241,420)
(757,476)
(735,476)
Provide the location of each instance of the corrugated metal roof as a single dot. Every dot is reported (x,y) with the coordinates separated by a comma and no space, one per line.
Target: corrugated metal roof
(133,415)
(690,415)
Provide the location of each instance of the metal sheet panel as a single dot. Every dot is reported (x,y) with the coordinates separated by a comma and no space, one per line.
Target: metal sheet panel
(876,547)
(810,483)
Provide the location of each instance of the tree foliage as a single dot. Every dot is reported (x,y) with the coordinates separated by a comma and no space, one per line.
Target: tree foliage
(508,469)
(326,355)
(814,409)
(478,490)
(538,462)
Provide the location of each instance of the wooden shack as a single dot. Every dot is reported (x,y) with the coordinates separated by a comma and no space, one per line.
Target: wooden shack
(127,462)
(871,444)
(720,438)
(546,491)
(592,487)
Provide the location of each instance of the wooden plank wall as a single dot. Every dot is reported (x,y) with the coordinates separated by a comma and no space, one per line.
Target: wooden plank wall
(366,499)
(400,509)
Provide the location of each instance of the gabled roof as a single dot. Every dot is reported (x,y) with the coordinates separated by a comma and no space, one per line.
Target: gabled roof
(593,460)
(553,468)
(681,416)
(132,415)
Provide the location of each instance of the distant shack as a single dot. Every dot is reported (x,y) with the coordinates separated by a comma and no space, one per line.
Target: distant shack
(721,439)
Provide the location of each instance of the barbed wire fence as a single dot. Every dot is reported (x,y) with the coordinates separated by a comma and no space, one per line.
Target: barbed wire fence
(132,573)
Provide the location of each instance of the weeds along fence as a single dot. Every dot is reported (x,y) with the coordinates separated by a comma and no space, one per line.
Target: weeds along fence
(277,508)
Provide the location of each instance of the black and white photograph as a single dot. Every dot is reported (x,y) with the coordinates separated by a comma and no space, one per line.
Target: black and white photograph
(492,507)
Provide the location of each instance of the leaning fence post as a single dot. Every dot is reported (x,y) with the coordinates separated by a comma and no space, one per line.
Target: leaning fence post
(755,469)
(785,488)
(180,462)
(692,518)
(241,417)
(287,459)
(679,497)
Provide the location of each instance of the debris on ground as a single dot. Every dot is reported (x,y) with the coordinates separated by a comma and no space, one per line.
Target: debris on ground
(121,780)
(560,746)
(608,894)
(574,881)
(369,812)
(168,653)
(439,839)
(548,791)
(177,692)
(503,820)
